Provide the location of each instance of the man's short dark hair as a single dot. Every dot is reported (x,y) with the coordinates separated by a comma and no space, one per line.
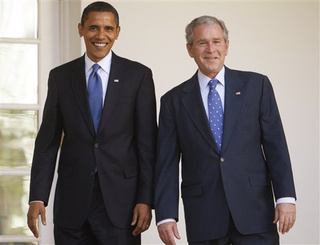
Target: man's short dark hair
(99,7)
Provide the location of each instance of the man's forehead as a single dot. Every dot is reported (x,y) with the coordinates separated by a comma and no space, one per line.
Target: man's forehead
(97,15)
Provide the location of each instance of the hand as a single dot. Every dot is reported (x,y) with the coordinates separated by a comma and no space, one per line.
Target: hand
(36,209)
(141,218)
(285,213)
(167,232)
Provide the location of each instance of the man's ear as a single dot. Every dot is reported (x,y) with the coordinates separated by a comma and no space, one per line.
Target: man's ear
(80,30)
(189,48)
(118,32)
(227,47)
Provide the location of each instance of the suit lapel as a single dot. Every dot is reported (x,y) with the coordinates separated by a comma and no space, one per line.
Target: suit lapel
(234,96)
(192,101)
(78,81)
(115,88)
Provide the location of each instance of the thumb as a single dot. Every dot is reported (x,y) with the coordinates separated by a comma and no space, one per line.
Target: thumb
(176,232)
(43,216)
(276,216)
(135,217)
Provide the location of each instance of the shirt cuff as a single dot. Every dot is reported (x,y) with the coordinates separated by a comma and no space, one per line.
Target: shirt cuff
(165,221)
(286,200)
(36,201)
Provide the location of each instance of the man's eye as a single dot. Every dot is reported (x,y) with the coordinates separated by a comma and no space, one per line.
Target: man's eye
(109,28)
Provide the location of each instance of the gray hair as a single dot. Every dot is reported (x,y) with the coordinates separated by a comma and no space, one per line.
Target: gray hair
(207,20)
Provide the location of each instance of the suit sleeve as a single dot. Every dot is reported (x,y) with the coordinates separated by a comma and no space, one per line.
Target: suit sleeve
(46,146)
(167,166)
(145,136)
(274,145)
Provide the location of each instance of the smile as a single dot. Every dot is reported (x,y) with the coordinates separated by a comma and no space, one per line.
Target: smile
(211,58)
(99,44)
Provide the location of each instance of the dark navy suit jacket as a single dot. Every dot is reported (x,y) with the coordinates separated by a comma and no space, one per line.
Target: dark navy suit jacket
(123,149)
(252,168)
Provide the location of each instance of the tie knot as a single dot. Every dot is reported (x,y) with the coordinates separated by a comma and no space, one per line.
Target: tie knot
(95,67)
(213,83)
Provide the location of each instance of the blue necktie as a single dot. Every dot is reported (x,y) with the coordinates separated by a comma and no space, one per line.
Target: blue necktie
(215,111)
(95,95)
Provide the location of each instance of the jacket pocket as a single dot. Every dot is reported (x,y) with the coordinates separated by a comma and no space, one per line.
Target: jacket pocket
(131,171)
(191,190)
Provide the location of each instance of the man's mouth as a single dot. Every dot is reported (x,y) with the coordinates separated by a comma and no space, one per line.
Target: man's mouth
(211,58)
(99,44)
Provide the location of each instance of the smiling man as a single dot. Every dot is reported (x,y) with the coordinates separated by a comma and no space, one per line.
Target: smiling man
(101,110)
(225,126)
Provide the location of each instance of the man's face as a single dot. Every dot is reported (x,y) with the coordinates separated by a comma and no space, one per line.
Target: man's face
(99,33)
(209,49)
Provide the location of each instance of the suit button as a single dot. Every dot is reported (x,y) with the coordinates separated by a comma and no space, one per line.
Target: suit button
(92,173)
(96,145)
(221,159)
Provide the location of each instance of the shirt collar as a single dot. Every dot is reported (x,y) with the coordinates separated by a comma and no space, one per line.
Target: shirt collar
(105,63)
(203,79)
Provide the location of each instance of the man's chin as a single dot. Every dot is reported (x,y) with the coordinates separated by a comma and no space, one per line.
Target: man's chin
(97,56)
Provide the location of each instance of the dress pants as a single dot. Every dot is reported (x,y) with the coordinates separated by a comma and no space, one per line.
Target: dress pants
(234,237)
(97,230)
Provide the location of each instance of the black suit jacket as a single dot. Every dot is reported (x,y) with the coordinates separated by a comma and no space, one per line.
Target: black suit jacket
(239,180)
(123,148)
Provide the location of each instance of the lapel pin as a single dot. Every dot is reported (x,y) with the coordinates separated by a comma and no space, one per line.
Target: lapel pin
(116,80)
(238,93)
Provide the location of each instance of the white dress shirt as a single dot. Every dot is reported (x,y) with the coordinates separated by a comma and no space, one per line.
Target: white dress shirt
(103,72)
(204,87)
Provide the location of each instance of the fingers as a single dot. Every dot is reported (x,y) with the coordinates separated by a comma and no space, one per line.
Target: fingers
(167,232)
(32,224)
(36,209)
(286,223)
(285,213)
(141,218)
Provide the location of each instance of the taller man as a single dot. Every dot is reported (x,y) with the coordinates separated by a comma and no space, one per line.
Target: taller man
(104,106)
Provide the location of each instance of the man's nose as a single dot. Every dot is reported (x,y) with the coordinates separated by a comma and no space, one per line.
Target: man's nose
(210,47)
(101,34)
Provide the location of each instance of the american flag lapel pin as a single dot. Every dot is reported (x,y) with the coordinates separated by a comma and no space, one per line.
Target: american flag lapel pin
(238,93)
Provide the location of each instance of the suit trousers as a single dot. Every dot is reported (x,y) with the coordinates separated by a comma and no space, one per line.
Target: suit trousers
(97,230)
(234,237)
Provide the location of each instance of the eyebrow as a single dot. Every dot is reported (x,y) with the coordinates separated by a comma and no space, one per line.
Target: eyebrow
(90,26)
(107,26)
(208,40)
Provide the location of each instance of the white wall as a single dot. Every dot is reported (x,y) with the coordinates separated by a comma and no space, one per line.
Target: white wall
(279,39)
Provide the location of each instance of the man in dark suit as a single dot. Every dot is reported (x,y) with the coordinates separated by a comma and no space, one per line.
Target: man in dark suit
(228,186)
(104,191)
